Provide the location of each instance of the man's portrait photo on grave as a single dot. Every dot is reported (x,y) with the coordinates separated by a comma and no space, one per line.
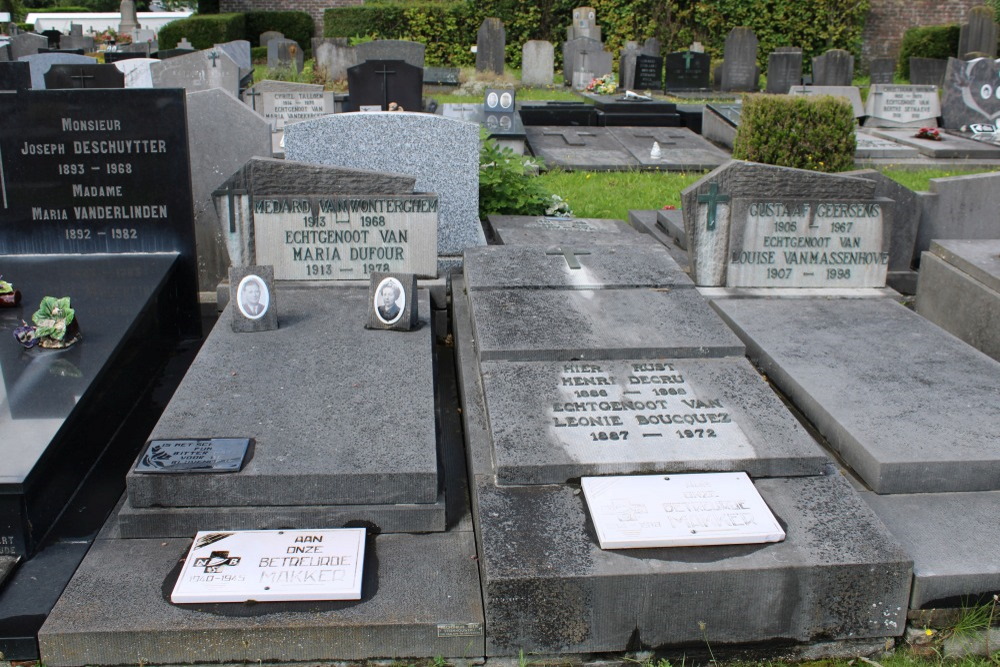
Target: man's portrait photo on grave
(252,297)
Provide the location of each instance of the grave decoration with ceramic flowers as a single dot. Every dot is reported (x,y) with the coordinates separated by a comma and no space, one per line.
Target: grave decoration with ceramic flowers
(9,297)
(55,325)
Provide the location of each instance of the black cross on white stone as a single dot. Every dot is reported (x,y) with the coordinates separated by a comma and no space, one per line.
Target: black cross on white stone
(565,135)
(570,256)
(213,56)
(713,199)
(385,86)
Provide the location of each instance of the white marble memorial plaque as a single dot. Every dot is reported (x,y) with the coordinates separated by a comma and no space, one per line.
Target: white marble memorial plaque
(272,566)
(803,243)
(685,510)
(902,106)
(346,237)
(291,106)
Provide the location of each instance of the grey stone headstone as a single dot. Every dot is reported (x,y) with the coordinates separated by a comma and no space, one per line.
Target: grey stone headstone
(239,51)
(584,59)
(948,146)
(979,34)
(584,24)
(491,40)
(285,54)
(784,70)
(375,145)
(253,299)
(392,49)
(15,76)
(652,47)
(41,62)
(85,42)
(739,69)
(928,71)
(833,68)
(334,57)
(882,70)
(137,72)
(268,35)
(200,70)
(970,93)
(129,19)
(223,134)
(626,65)
(902,106)
(537,63)
(851,93)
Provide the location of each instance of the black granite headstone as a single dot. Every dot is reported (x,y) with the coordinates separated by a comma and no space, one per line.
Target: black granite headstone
(688,70)
(558,113)
(649,72)
(111,57)
(53,36)
(86,171)
(84,76)
(882,70)
(15,76)
(75,52)
(378,83)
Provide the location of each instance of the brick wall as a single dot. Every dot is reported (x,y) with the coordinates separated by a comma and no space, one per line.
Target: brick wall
(313,7)
(889,19)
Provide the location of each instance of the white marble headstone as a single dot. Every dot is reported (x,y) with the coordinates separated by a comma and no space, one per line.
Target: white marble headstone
(700,509)
(272,566)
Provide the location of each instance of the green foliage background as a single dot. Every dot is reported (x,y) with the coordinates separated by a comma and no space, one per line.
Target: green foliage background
(936,41)
(449,28)
(206,30)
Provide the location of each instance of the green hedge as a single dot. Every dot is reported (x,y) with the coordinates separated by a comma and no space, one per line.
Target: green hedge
(936,41)
(203,31)
(797,131)
(293,25)
(449,28)
(56,10)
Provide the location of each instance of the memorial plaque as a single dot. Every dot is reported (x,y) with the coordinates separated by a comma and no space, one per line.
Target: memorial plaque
(194,455)
(272,566)
(83,171)
(290,106)
(346,237)
(643,511)
(688,70)
(808,243)
(902,106)
(251,291)
(648,72)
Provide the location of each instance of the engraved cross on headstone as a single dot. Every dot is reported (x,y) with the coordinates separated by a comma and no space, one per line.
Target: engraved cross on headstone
(213,56)
(713,199)
(253,95)
(82,78)
(565,135)
(385,86)
(570,256)
(688,55)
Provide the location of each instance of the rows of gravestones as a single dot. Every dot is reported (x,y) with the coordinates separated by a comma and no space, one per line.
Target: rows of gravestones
(583,351)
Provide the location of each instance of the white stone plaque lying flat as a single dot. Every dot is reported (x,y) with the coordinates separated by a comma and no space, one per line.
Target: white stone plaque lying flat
(272,566)
(700,509)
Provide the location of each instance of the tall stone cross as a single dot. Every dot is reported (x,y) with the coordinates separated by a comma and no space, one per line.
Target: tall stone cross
(713,199)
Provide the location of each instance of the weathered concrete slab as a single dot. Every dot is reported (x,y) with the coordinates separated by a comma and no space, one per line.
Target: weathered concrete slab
(958,289)
(960,207)
(320,439)
(603,267)
(590,148)
(910,407)
(952,539)
(562,325)
(554,422)
(871,147)
(950,145)
(524,229)
(410,606)
(676,148)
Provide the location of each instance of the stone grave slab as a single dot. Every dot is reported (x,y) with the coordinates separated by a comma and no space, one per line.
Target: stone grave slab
(531,229)
(688,70)
(616,111)
(374,146)
(687,510)
(950,145)
(375,84)
(490,42)
(719,123)
(577,114)
(300,457)
(959,290)
(272,566)
(506,128)
(392,49)
(969,94)
(833,68)
(904,403)
(137,72)
(557,421)
(15,76)
(870,147)
(672,223)
(645,265)
(852,94)
(440,592)
(200,70)
(902,106)
(537,63)
(590,148)
(963,208)
(41,62)
(739,69)
(784,70)
(930,527)
(680,149)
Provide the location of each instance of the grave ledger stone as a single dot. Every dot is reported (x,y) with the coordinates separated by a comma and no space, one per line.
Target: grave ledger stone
(739,69)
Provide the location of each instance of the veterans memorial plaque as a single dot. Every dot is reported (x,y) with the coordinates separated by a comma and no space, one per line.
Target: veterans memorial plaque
(801,243)
(272,566)
(346,237)
(685,510)
(194,455)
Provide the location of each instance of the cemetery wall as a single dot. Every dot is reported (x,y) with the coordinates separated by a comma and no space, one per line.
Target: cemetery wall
(889,19)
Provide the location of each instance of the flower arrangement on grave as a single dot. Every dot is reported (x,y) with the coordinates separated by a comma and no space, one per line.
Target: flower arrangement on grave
(931,133)
(111,36)
(558,207)
(56,326)
(9,297)
(606,85)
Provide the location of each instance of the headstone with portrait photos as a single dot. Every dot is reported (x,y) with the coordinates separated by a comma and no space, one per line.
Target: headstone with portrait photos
(251,290)
(392,302)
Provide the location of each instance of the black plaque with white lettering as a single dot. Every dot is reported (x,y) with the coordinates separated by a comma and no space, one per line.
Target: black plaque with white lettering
(648,72)
(195,455)
(86,171)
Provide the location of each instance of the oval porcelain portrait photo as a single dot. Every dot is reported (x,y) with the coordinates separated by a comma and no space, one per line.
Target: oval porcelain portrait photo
(252,297)
(390,300)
